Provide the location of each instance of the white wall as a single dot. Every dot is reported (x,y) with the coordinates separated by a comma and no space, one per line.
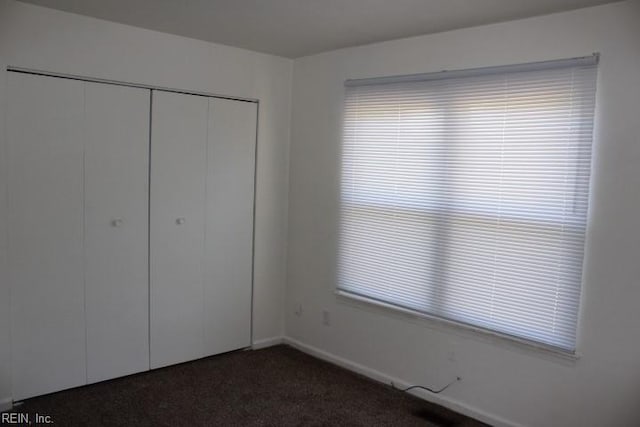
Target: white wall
(501,382)
(44,39)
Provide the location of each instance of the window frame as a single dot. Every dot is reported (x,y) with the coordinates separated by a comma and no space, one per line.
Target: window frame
(386,306)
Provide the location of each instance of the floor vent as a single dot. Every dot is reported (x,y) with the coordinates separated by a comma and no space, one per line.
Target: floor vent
(434,418)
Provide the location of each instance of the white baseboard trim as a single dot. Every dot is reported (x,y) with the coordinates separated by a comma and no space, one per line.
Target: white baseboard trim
(266,342)
(445,401)
(6,404)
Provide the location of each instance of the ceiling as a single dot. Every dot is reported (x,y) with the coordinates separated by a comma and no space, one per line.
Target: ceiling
(294,28)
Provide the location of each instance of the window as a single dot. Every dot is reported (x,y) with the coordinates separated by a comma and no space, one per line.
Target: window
(464,195)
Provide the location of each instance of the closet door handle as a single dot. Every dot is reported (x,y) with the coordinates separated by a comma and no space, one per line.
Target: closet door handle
(180,220)
(116,222)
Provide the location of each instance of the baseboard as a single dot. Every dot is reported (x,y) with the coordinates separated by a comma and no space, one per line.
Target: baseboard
(267,342)
(6,404)
(445,401)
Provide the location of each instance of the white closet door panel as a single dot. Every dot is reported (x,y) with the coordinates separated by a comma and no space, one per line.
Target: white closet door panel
(45,174)
(116,230)
(178,174)
(229,232)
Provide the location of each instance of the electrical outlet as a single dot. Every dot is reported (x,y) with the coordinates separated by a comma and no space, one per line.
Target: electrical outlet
(326,319)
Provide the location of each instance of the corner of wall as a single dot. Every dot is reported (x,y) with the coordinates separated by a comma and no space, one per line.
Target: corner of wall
(285,285)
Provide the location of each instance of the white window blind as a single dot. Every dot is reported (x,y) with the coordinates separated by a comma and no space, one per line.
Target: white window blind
(464,195)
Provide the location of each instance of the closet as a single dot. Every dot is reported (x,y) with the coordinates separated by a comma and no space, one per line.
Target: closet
(130,217)
(201,234)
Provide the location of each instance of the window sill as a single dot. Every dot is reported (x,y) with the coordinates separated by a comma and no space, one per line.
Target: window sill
(486,333)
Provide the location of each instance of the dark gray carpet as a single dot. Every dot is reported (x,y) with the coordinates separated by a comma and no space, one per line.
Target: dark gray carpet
(277,386)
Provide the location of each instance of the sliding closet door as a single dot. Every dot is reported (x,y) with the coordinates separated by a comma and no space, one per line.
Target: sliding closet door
(178,175)
(116,230)
(45,223)
(229,231)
